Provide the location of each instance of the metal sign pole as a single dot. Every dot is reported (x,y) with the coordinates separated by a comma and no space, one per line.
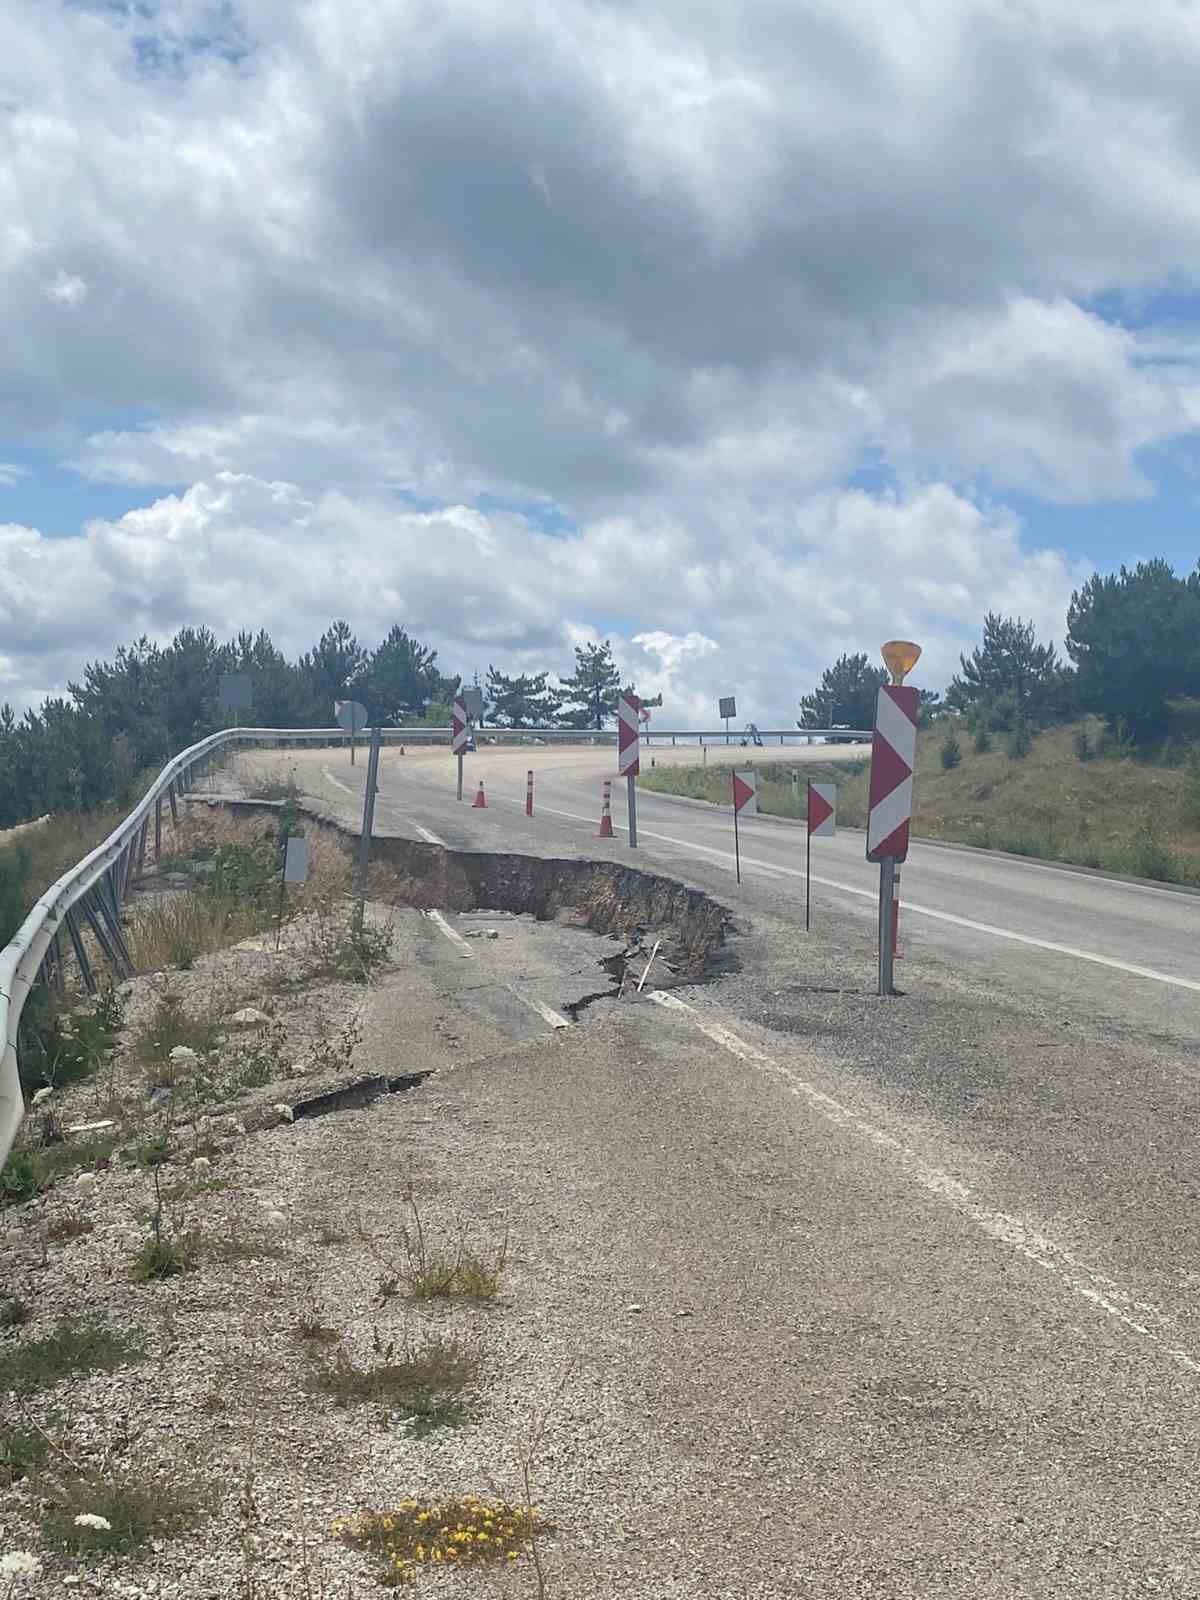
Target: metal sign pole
(460,773)
(887,873)
(737,847)
(808,860)
(632,803)
(364,843)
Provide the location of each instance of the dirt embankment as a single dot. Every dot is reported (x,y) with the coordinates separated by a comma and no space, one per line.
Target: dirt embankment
(601,895)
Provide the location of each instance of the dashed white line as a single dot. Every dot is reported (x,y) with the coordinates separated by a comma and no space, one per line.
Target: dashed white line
(336,782)
(547,1013)
(727,859)
(452,934)
(1094,1287)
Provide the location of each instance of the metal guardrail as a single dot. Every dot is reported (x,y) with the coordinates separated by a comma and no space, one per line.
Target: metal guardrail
(92,893)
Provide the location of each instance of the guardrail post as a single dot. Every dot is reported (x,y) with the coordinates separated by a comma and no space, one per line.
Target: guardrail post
(100,931)
(174,807)
(81,955)
(54,964)
(158,830)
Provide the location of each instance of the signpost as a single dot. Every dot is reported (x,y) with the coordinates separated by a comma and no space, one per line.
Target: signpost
(295,870)
(458,735)
(352,716)
(628,762)
(727,708)
(821,812)
(893,756)
(745,798)
(364,843)
(236,693)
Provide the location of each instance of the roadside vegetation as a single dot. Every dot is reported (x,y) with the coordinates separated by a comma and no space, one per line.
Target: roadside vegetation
(1077,795)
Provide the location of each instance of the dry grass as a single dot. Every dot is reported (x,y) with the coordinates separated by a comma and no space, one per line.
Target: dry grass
(420,1382)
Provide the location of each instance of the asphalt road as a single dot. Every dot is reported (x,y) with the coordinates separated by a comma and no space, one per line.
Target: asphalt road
(1125,952)
(919,1278)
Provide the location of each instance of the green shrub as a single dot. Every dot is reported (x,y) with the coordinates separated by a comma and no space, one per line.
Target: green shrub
(1083,745)
(71,1349)
(983,739)
(1020,742)
(951,751)
(15,866)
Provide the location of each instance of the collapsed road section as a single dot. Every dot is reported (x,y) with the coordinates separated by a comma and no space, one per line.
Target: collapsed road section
(602,896)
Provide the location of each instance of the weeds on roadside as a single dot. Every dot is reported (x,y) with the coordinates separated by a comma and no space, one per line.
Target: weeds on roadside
(72,1349)
(122,1506)
(22,1451)
(59,1047)
(335,948)
(418,1381)
(27,1172)
(463,1531)
(431,1272)
(169,1250)
(72,1225)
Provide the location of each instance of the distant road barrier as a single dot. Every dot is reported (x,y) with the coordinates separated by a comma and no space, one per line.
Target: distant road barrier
(89,897)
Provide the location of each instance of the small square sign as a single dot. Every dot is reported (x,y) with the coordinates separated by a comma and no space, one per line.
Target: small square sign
(728,705)
(296,859)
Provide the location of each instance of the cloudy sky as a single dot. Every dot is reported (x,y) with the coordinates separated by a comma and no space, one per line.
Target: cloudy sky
(742,331)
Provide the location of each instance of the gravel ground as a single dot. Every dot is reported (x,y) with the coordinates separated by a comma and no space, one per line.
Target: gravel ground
(767,1361)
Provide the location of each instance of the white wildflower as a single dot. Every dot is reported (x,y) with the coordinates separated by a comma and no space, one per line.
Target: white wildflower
(285,1112)
(19,1564)
(201,1163)
(86,1180)
(42,1094)
(181,1052)
(89,1519)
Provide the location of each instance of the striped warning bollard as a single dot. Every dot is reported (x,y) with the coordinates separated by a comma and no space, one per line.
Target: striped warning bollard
(529,793)
(606,827)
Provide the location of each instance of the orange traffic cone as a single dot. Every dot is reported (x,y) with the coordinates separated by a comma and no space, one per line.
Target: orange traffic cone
(606,827)
(480,801)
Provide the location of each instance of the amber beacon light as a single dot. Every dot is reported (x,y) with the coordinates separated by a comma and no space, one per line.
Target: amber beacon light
(900,657)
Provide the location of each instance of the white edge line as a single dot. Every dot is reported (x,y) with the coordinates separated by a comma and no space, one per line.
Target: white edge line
(547,1013)
(726,857)
(454,937)
(337,782)
(428,836)
(1094,1287)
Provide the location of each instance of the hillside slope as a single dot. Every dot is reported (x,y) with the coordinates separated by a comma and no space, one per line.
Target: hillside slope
(1114,812)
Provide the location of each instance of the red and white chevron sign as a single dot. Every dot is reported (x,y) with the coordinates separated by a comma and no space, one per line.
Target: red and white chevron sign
(458,726)
(628,762)
(893,755)
(745,792)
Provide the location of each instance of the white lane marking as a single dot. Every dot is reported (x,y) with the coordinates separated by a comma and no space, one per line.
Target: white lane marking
(1079,1278)
(429,838)
(452,934)
(336,782)
(547,1013)
(727,859)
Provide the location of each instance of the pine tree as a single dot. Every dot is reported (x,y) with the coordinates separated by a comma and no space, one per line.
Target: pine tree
(1010,678)
(591,692)
(522,702)
(846,696)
